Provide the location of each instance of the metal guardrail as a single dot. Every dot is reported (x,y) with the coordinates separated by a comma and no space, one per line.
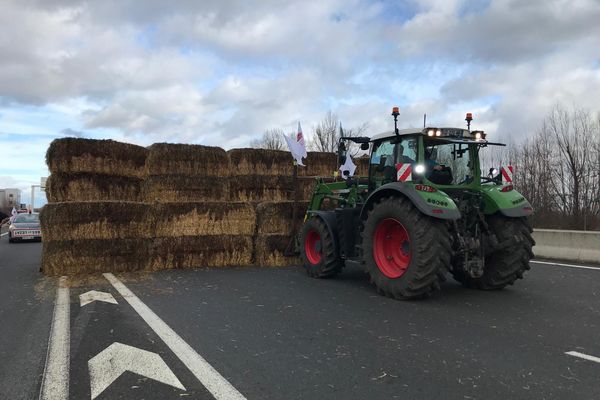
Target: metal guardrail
(582,246)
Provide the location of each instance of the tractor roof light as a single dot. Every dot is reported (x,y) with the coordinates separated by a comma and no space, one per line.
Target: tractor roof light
(430,132)
(438,133)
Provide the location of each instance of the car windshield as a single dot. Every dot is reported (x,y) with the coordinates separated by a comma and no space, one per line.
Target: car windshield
(453,158)
(26,218)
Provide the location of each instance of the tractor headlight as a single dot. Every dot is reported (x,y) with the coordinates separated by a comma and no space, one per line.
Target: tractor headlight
(478,136)
(430,132)
(438,132)
(419,169)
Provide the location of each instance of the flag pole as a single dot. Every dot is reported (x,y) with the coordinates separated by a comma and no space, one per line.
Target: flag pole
(290,250)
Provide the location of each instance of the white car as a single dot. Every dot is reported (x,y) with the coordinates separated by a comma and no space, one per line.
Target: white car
(25,227)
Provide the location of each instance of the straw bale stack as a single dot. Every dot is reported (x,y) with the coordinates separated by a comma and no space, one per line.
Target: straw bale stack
(108,157)
(186,159)
(269,188)
(319,164)
(276,217)
(260,162)
(201,251)
(62,187)
(96,220)
(203,219)
(270,249)
(185,188)
(71,257)
(362,166)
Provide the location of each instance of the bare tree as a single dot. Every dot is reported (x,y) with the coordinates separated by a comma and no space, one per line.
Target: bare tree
(327,134)
(271,139)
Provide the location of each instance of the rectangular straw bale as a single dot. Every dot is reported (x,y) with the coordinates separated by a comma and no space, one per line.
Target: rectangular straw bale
(185,188)
(95,220)
(319,164)
(75,155)
(362,166)
(260,162)
(204,219)
(186,159)
(70,257)
(269,188)
(62,187)
(270,250)
(276,217)
(201,251)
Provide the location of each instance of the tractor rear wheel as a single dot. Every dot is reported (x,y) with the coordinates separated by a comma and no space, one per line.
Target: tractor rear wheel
(504,266)
(405,252)
(317,250)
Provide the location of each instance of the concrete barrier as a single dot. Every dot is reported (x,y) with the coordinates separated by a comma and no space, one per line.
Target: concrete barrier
(582,246)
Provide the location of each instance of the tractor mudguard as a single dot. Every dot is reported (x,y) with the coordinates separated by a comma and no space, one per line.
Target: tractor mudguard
(510,203)
(328,217)
(434,204)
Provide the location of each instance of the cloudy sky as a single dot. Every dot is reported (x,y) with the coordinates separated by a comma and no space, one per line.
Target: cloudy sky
(220,72)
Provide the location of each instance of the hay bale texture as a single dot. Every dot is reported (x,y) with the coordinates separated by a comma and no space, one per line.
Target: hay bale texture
(270,250)
(61,187)
(186,159)
(279,163)
(185,188)
(108,157)
(71,257)
(96,220)
(269,188)
(203,219)
(201,251)
(274,217)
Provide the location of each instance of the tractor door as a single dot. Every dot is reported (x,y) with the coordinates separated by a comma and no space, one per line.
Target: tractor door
(388,156)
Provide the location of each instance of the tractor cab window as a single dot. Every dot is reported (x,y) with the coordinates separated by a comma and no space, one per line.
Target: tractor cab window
(387,154)
(448,163)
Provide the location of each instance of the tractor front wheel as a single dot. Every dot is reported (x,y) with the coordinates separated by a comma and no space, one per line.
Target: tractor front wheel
(405,252)
(317,250)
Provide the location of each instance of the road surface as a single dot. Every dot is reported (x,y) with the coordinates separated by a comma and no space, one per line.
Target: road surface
(251,333)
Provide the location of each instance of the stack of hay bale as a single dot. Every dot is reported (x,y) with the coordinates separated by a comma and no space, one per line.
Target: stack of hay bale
(94,220)
(196,226)
(120,207)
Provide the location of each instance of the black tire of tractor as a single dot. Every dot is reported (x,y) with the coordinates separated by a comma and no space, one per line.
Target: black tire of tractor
(503,267)
(330,263)
(430,246)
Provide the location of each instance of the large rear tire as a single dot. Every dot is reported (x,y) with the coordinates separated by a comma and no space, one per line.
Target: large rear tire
(317,250)
(405,252)
(504,266)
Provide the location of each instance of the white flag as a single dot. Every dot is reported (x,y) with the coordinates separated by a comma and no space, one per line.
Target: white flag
(13,214)
(297,146)
(348,166)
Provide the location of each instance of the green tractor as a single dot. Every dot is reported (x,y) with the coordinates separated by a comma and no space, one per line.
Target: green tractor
(425,209)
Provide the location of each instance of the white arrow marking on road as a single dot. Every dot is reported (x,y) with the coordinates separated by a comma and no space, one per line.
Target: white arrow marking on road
(584,356)
(93,295)
(118,358)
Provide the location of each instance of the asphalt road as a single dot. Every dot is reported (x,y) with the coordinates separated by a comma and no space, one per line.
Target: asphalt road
(277,334)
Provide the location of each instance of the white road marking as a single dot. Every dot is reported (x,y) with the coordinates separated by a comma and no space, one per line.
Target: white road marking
(118,358)
(55,383)
(566,265)
(93,295)
(584,356)
(3,234)
(214,382)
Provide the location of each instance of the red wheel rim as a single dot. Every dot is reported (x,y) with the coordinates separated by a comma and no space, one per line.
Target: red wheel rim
(313,247)
(391,248)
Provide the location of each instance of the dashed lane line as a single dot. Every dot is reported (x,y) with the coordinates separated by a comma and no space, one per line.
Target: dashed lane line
(55,384)
(566,265)
(214,382)
(584,356)
(3,234)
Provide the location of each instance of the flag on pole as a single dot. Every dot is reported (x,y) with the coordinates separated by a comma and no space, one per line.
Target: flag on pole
(348,166)
(297,146)
(13,214)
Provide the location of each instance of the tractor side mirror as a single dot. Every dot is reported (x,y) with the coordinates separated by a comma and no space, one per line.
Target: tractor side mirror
(364,146)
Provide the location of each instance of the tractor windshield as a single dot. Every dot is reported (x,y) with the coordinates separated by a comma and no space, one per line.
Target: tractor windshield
(448,163)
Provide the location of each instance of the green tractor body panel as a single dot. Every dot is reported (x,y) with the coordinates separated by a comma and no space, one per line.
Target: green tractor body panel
(434,204)
(510,203)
